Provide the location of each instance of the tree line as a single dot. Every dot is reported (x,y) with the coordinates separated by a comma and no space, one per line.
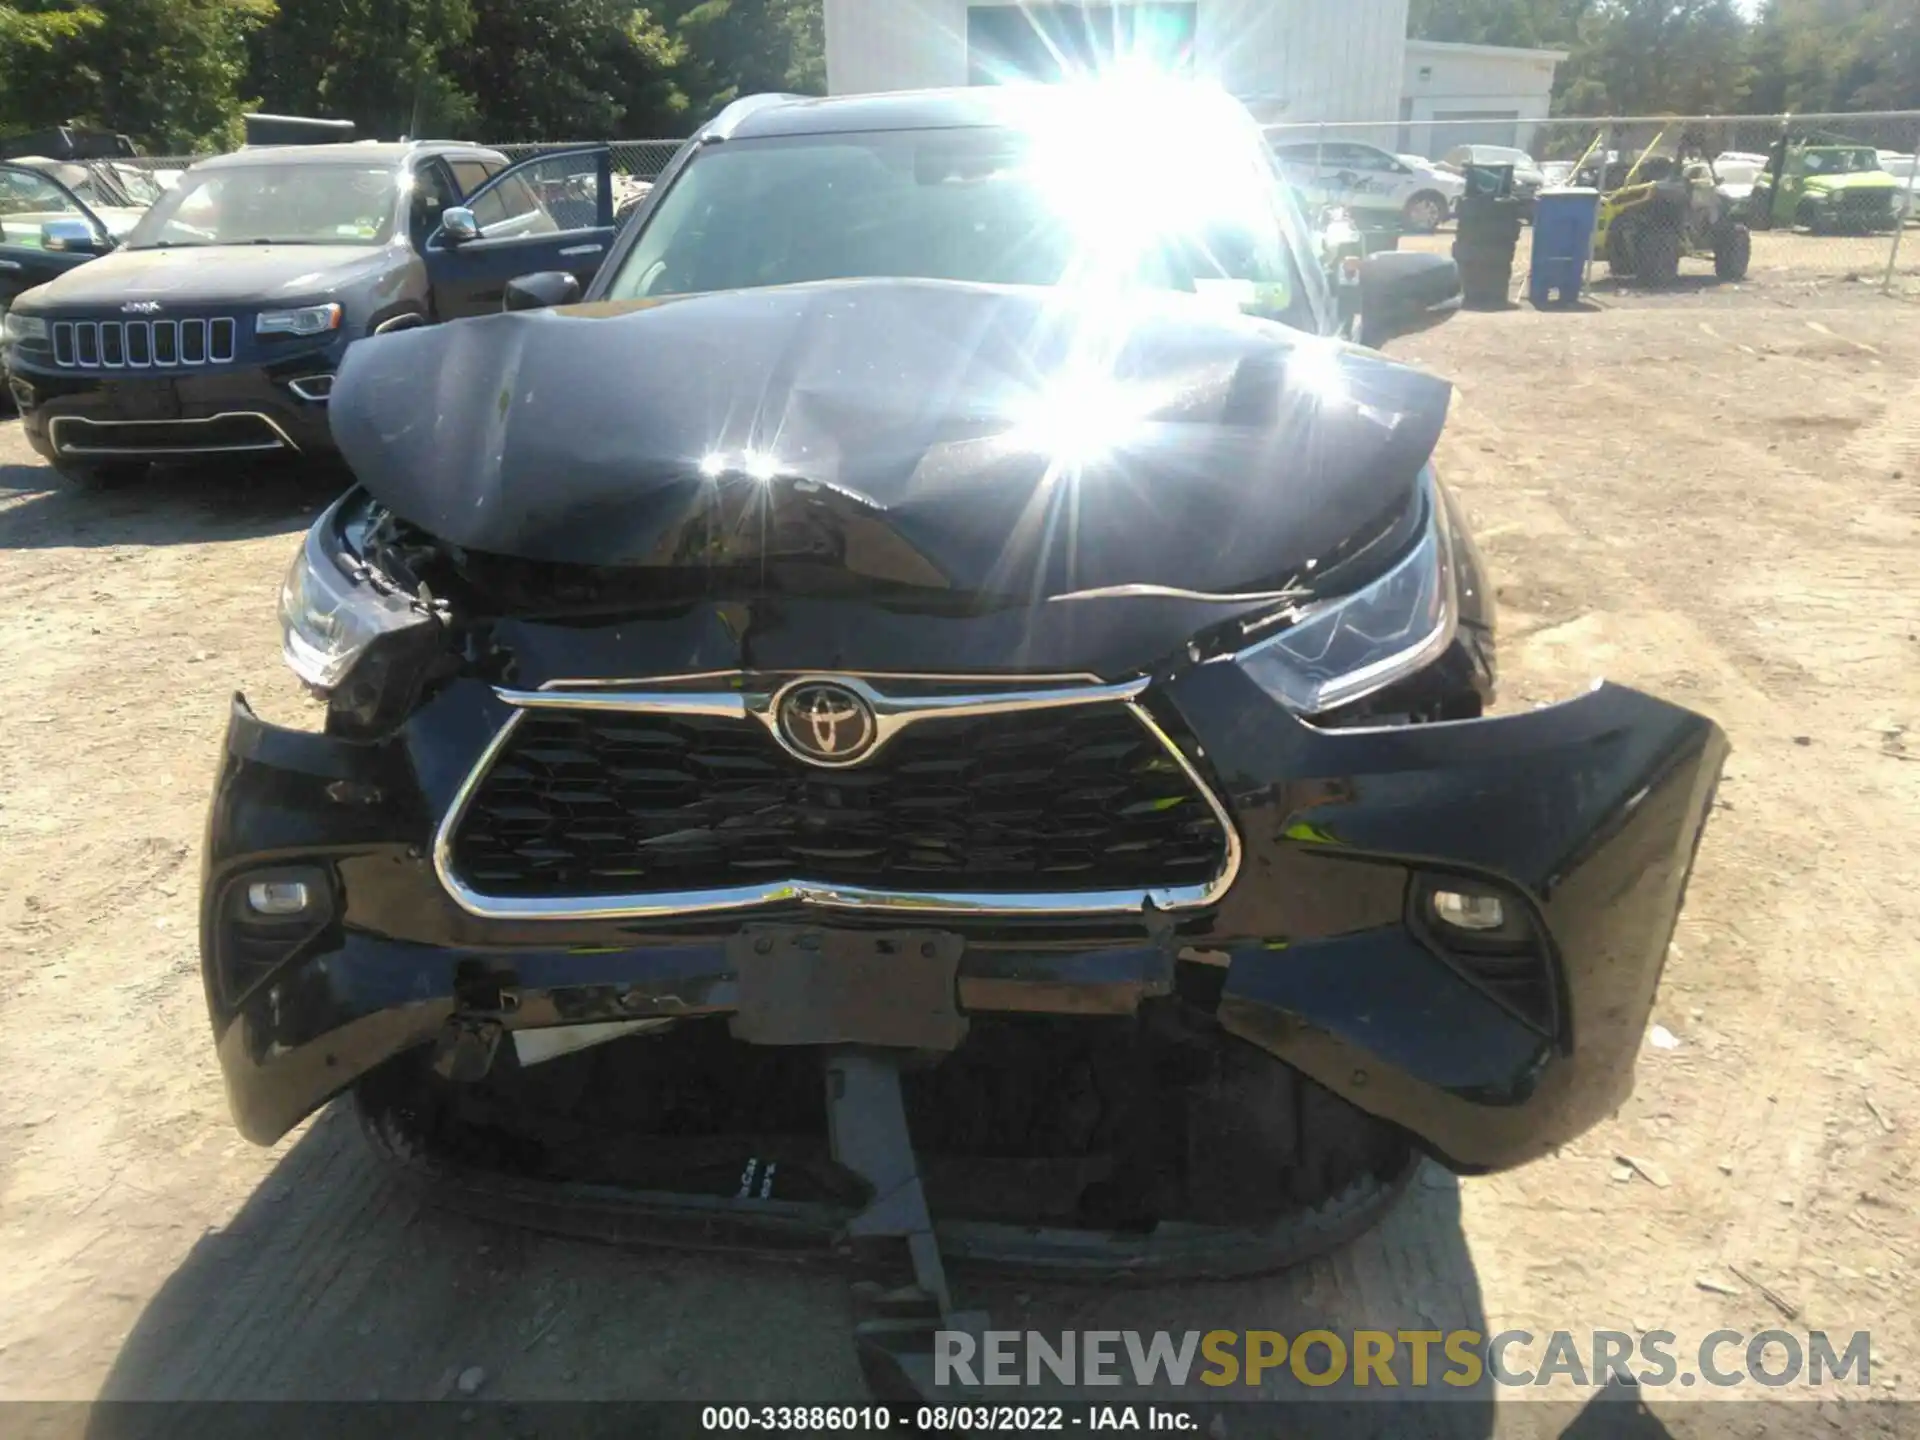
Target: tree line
(1703,57)
(177,74)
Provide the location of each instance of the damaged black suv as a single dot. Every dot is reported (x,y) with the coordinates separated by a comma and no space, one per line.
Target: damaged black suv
(938,709)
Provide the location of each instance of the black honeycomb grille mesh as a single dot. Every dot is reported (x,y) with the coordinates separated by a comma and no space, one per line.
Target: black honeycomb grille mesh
(594,803)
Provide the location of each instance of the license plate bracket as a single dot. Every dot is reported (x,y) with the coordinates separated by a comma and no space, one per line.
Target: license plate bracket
(144,399)
(808,985)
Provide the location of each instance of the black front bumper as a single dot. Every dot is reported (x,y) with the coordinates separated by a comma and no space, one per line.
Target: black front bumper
(94,417)
(1585,814)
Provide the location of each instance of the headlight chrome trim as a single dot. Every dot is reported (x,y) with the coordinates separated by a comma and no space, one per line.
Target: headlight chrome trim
(304,321)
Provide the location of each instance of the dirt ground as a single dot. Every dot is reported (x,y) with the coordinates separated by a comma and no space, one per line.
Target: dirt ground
(1712,495)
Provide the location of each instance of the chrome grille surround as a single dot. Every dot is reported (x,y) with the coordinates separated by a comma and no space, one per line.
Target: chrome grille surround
(755,698)
(145,344)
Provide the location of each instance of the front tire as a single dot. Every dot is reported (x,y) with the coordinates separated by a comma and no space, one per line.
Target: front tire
(1619,252)
(1426,212)
(110,476)
(1733,253)
(1809,218)
(1659,255)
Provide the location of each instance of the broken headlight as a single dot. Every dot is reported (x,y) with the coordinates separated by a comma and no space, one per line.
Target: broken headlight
(1343,649)
(333,607)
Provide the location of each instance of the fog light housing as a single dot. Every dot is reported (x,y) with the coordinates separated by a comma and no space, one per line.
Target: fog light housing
(267,919)
(1489,935)
(1469,910)
(279,899)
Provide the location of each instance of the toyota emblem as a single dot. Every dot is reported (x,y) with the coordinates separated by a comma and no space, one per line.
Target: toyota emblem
(826,724)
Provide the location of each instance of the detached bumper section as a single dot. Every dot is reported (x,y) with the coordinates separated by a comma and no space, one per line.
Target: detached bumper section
(1356,922)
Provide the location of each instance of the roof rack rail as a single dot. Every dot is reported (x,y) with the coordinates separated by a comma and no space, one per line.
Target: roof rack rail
(722,126)
(296,130)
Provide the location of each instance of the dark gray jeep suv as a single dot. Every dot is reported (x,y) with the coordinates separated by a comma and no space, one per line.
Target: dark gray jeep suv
(215,326)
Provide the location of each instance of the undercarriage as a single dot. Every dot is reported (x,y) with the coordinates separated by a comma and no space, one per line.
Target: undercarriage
(1154,1147)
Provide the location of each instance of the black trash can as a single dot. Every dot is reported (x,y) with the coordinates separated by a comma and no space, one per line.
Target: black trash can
(1487,236)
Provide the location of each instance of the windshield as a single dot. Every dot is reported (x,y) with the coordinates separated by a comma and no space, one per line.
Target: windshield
(1841,162)
(333,203)
(983,205)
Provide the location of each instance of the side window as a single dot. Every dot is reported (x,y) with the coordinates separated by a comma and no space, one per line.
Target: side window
(1304,158)
(557,192)
(28,201)
(512,207)
(470,175)
(432,193)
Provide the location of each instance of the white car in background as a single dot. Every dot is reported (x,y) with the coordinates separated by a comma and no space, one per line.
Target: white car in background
(1901,167)
(1368,181)
(1734,176)
(1445,181)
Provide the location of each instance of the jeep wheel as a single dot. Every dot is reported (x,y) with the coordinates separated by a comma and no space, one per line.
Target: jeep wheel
(1759,211)
(1426,212)
(1658,255)
(1732,252)
(1620,252)
(109,476)
(1809,218)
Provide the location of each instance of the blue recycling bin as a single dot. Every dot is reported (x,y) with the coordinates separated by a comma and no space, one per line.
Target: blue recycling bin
(1563,225)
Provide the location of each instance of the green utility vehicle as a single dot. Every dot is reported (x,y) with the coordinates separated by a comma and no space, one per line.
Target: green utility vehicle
(1824,184)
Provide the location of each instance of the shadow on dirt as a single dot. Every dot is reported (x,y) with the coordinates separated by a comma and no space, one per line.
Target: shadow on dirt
(335,1283)
(1617,1412)
(173,505)
(1679,285)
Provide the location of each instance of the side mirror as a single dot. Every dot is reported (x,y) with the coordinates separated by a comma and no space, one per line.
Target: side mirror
(458,225)
(541,290)
(73,237)
(1405,291)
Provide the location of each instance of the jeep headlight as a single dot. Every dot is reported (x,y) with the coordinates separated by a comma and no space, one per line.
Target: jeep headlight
(1344,649)
(23,329)
(331,612)
(307,320)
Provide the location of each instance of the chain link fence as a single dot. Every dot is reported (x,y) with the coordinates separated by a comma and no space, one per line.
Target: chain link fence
(1689,201)
(640,159)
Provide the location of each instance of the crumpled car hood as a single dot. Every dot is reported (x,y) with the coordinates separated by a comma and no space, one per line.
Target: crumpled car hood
(992,440)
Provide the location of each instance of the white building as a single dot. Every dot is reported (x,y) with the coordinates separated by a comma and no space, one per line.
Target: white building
(1480,94)
(1292,61)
